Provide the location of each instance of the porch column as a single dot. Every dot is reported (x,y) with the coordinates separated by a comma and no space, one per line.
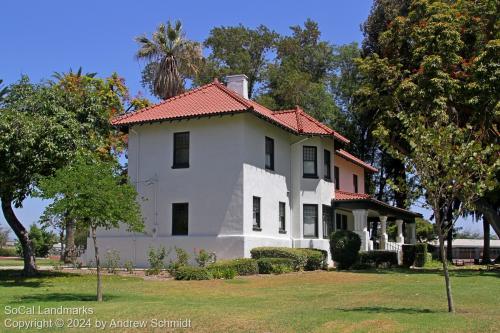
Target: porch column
(383,236)
(400,238)
(360,227)
(413,232)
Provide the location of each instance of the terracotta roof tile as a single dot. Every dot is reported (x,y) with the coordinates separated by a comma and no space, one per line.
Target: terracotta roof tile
(343,195)
(355,160)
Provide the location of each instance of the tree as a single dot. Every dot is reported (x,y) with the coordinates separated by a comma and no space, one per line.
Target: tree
(42,240)
(170,57)
(4,236)
(434,80)
(238,50)
(96,195)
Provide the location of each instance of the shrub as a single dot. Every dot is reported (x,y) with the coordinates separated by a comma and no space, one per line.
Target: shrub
(222,272)
(193,273)
(42,241)
(8,252)
(344,247)
(156,258)
(408,254)
(379,258)
(242,266)
(420,254)
(204,258)
(316,259)
(129,266)
(275,265)
(298,256)
(112,260)
(181,260)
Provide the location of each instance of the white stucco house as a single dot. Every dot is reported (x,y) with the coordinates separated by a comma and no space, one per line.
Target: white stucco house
(217,171)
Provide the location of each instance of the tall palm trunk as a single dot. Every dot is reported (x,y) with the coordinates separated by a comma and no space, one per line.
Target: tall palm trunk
(97,265)
(22,235)
(486,241)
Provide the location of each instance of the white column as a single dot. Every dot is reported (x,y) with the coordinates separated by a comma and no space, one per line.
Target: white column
(360,227)
(400,238)
(383,229)
(413,232)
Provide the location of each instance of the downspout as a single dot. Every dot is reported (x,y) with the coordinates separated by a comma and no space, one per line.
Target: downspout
(291,186)
(136,182)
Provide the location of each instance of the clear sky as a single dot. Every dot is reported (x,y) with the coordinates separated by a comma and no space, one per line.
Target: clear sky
(41,37)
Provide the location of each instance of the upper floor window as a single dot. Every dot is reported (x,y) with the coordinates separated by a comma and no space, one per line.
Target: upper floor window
(256,213)
(310,218)
(355,183)
(180,219)
(341,221)
(336,172)
(327,166)
(282,220)
(269,153)
(181,150)
(310,163)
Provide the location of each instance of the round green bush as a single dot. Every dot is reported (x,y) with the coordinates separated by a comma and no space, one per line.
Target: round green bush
(242,266)
(344,247)
(316,259)
(275,265)
(222,272)
(298,256)
(193,273)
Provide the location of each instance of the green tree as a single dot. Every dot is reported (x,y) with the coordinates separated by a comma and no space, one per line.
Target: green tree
(238,50)
(96,195)
(42,240)
(4,236)
(170,57)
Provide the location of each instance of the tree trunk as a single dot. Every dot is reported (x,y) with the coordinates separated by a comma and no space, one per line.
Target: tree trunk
(97,265)
(69,255)
(486,241)
(491,212)
(61,240)
(449,245)
(451,306)
(23,237)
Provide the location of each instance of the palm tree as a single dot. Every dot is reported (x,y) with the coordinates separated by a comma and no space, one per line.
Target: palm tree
(171,59)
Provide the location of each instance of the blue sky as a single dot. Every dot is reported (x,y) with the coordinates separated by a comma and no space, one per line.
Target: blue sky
(41,37)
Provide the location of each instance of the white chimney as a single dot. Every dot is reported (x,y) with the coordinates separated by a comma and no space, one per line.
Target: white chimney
(239,84)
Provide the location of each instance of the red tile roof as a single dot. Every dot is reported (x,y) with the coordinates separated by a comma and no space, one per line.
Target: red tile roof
(355,160)
(343,195)
(214,99)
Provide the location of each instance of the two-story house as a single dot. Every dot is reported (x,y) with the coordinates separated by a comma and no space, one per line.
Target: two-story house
(217,171)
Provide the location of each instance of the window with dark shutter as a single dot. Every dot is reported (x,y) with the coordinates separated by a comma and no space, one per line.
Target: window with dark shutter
(355,183)
(327,166)
(282,218)
(180,224)
(181,150)
(269,153)
(341,221)
(337,177)
(256,213)
(310,163)
(310,218)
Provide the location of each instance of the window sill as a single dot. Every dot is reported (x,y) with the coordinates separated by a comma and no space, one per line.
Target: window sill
(311,176)
(181,166)
(256,229)
(310,237)
(269,169)
(281,231)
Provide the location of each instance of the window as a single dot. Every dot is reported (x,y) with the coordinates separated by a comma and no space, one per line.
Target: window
(326,160)
(336,172)
(256,213)
(310,221)
(341,221)
(180,219)
(355,183)
(327,221)
(269,153)
(181,150)
(310,162)
(282,220)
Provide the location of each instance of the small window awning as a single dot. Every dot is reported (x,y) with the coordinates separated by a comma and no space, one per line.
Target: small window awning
(350,201)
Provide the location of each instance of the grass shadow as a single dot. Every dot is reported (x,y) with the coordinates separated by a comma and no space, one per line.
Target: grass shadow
(62,297)
(383,309)
(15,278)
(409,271)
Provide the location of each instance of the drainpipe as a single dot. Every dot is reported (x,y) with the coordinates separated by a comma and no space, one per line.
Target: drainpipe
(291,185)
(137,184)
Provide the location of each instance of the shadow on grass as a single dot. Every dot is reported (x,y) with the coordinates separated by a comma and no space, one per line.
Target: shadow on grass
(382,309)
(15,278)
(453,272)
(62,297)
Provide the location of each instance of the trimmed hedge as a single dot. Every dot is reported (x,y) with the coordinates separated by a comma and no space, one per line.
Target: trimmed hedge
(193,273)
(344,247)
(8,252)
(298,256)
(222,272)
(415,255)
(379,258)
(316,259)
(408,254)
(420,254)
(275,265)
(242,266)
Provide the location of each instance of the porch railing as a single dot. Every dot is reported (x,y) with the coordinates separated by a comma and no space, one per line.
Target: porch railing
(393,246)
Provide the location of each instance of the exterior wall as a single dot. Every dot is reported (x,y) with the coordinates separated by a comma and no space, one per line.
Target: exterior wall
(346,170)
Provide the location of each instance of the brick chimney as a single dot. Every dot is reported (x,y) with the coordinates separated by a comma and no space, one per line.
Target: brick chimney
(239,84)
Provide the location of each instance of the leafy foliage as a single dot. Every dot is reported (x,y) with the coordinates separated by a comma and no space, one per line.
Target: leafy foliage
(242,266)
(156,259)
(193,273)
(344,247)
(379,258)
(204,258)
(275,265)
(4,236)
(42,241)
(298,256)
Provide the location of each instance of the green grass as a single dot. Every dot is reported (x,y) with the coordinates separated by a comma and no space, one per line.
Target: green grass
(367,301)
(19,262)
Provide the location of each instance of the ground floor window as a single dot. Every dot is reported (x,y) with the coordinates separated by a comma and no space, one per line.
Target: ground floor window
(256,213)
(341,221)
(327,221)
(180,218)
(310,221)
(282,220)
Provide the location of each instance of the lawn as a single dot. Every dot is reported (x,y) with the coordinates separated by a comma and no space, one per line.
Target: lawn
(19,262)
(371,301)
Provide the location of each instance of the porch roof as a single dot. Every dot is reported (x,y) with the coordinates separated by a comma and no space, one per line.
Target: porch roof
(352,201)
